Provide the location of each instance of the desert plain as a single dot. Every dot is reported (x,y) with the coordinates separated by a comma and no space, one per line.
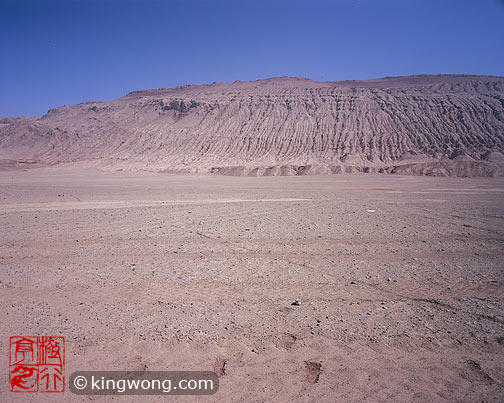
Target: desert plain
(399,281)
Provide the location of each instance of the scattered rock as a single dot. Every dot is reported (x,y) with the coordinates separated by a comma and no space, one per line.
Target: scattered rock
(287,341)
(481,374)
(219,368)
(313,371)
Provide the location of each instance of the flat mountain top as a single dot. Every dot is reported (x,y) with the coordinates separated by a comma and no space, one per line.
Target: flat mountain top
(286,81)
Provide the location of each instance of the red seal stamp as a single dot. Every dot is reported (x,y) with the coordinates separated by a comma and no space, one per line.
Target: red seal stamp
(37,363)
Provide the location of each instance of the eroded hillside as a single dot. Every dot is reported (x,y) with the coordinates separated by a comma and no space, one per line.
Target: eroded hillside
(424,125)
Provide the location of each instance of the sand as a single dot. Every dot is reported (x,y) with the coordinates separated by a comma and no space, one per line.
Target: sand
(400,281)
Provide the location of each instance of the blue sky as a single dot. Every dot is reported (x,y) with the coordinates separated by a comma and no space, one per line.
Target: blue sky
(57,52)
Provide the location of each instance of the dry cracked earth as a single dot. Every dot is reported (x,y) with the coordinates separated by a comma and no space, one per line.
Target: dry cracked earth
(399,281)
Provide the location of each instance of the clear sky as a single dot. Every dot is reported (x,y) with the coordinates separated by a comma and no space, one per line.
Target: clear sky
(56,52)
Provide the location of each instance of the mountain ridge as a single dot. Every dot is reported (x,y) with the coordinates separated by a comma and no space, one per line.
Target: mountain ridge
(442,125)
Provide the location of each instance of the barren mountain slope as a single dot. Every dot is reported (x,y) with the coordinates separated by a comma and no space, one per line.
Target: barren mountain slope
(433,125)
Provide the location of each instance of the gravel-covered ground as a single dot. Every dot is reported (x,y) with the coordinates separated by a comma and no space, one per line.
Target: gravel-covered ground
(399,281)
